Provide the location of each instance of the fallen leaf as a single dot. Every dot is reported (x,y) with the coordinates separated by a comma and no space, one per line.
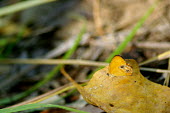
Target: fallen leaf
(121,88)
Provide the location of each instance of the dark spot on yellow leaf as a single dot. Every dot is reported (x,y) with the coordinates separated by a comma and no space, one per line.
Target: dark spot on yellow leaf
(122,66)
(111,105)
(127,71)
(107,74)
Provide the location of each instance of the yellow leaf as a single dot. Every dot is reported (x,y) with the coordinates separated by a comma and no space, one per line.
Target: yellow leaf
(121,88)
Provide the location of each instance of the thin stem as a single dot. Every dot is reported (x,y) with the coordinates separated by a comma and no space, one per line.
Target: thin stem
(21,6)
(53,62)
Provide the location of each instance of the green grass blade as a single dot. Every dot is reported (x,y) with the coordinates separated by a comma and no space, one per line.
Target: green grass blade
(50,75)
(139,24)
(34,106)
(128,38)
(21,6)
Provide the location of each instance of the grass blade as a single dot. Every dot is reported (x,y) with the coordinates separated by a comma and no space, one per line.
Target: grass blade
(138,25)
(21,6)
(122,46)
(49,76)
(37,105)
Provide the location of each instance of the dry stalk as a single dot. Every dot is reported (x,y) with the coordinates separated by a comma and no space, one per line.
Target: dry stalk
(97,17)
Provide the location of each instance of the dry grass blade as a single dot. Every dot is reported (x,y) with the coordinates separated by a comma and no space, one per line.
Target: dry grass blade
(97,17)
(159,57)
(153,45)
(69,62)
(46,95)
(52,62)
(155,70)
(166,82)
